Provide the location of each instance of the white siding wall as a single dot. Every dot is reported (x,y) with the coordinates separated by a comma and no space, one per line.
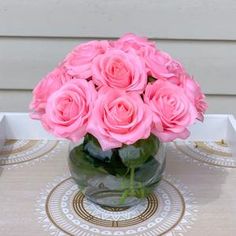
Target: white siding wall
(36,35)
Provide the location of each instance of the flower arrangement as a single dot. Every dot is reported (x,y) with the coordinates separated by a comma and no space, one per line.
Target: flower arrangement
(120,92)
(125,97)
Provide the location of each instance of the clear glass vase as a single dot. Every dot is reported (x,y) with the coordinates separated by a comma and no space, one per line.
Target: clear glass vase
(119,177)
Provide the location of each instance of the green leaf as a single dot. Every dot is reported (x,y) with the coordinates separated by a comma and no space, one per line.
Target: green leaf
(109,160)
(136,154)
(81,163)
(93,148)
(115,166)
(151,79)
(148,170)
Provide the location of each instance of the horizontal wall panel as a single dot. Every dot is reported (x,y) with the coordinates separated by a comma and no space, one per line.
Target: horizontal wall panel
(18,101)
(24,61)
(15,101)
(221,104)
(182,19)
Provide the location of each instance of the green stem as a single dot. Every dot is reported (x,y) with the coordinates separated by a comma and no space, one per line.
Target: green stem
(131,190)
(141,189)
(132,169)
(124,196)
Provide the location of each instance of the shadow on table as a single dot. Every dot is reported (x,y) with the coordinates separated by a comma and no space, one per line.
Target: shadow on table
(1,170)
(5,154)
(209,186)
(203,180)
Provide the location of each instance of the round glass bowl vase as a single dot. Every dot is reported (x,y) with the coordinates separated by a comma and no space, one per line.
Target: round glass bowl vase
(119,177)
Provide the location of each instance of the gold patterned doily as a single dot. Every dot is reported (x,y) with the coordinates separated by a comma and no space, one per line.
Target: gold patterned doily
(63,210)
(216,153)
(16,152)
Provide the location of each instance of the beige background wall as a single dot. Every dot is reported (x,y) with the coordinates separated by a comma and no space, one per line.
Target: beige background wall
(36,35)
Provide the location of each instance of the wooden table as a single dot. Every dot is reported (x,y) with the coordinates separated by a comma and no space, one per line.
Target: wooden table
(38,197)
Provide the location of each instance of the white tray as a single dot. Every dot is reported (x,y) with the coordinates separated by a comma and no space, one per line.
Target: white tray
(214,127)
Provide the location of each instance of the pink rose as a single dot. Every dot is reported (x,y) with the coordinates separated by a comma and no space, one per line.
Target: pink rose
(69,108)
(121,70)
(160,65)
(78,62)
(173,112)
(47,86)
(193,91)
(119,118)
(132,41)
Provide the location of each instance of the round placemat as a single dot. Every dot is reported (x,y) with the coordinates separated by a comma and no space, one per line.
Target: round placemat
(212,153)
(63,210)
(16,152)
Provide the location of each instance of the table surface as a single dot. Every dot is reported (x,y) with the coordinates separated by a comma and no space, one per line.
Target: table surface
(38,197)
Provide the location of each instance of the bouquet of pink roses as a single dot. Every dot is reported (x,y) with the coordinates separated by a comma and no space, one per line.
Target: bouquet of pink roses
(120,92)
(125,97)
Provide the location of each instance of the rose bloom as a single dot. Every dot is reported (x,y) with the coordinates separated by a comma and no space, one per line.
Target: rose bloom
(173,111)
(78,62)
(160,65)
(47,86)
(132,41)
(121,70)
(119,118)
(193,92)
(69,108)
